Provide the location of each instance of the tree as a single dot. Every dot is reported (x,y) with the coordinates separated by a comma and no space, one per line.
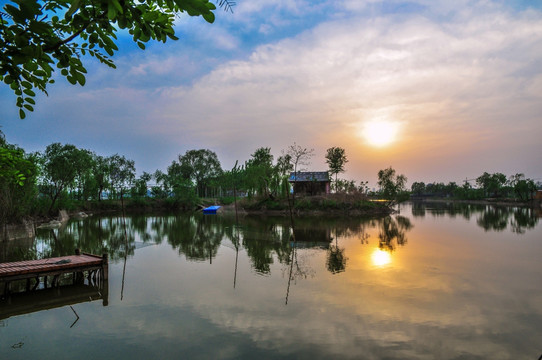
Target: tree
(491,183)
(282,172)
(200,166)
(121,173)
(59,169)
(18,172)
(140,187)
(523,188)
(83,173)
(336,159)
(260,170)
(390,184)
(100,170)
(157,191)
(418,188)
(37,35)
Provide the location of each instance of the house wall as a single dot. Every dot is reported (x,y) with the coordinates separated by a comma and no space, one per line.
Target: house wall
(311,187)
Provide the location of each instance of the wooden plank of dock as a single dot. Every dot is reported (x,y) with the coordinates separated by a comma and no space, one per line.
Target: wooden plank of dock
(56,266)
(50,265)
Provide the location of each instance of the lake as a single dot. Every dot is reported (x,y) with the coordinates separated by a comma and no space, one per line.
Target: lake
(433,281)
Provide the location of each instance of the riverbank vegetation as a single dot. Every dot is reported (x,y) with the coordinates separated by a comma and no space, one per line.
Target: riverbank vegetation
(64,176)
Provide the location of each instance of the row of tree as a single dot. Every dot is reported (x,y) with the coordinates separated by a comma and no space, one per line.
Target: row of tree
(495,185)
(41,182)
(38,183)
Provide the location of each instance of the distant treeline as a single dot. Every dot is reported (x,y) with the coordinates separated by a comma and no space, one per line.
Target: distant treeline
(496,185)
(67,177)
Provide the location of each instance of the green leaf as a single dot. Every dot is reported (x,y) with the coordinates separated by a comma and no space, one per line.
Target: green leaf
(31,66)
(12,10)
(209,17)
(73,8)
(80,79)
(29,92)
(22,115)
(117,6)
(111,11)
(141,45)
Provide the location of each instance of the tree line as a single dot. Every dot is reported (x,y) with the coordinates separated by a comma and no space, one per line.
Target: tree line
(68,177)
(65,176)
(496,186)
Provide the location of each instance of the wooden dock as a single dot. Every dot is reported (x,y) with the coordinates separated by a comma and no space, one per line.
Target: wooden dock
(43,270)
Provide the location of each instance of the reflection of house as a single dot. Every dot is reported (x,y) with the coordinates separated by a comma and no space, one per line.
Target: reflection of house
(311,183)
(318,237)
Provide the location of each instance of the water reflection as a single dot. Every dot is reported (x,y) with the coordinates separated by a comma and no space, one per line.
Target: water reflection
(25,302)
(265,240)
(393,232)
(198,238)
(488,217)
(336,259)
(381,257)
(400,287)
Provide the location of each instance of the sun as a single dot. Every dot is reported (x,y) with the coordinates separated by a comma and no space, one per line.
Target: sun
(380,258)
(380,133)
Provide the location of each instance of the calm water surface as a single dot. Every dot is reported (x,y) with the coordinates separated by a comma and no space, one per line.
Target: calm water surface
(434,281)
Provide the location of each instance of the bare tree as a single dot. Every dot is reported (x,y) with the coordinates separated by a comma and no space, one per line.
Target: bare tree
(299,156)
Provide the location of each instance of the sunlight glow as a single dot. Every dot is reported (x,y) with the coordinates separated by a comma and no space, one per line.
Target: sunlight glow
(379,132)
(380,257)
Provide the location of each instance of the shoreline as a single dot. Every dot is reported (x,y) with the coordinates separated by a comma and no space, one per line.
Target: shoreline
(379,211)
(495,202)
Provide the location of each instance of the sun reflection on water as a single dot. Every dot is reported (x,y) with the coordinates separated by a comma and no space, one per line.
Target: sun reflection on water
(380,258)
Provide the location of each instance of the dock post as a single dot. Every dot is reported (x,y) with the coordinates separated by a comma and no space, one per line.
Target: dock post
(105,267)
(79,276)
(105,279)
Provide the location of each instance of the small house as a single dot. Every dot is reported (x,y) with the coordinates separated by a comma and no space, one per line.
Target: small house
(310,183)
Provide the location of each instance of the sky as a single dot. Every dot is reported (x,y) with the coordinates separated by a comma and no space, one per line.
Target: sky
(439,90)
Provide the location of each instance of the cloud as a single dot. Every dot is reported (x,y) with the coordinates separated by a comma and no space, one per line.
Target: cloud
(462,79)
(454,84)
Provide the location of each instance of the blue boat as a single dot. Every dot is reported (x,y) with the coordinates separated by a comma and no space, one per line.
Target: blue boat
(211,210)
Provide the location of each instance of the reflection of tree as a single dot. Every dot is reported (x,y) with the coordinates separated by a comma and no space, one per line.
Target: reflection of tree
(418,209)
(451,209)
(92,235)
(490,218)
(393,232)
(493,218)
(336,259)
(197,237)
(298,267)
(262,238)
(523,219)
